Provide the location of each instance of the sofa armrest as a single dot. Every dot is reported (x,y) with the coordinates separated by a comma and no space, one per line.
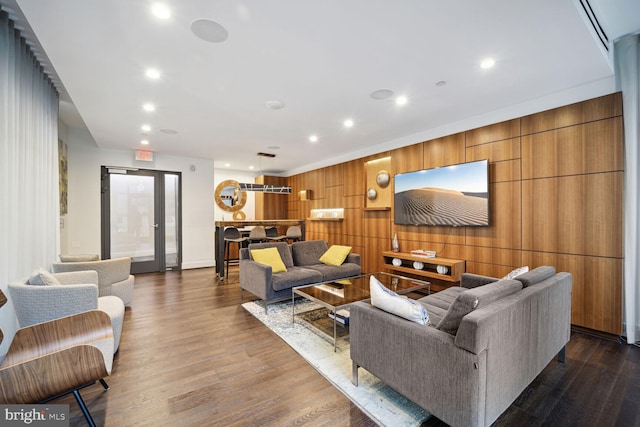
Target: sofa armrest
(255,278)
(77,277)
(470,280)
(353,258)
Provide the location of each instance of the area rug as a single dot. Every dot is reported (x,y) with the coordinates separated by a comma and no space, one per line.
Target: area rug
(381,403)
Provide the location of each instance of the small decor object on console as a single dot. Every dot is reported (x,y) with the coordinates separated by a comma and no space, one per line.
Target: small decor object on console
(397,262)
(423,253)
(395,246)
(442,269)
(418,265)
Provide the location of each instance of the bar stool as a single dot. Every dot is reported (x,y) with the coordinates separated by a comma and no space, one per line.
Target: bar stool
(293,233)
(272,234)
(232,235)
(257,235)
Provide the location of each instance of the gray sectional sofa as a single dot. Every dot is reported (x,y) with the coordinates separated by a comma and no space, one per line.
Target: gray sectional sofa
(302,260)
(485,342)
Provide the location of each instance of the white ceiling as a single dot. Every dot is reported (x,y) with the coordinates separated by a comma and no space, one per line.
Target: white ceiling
(322,59)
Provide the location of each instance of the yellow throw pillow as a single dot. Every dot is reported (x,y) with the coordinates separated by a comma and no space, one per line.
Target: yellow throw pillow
(335,255)
(270,257)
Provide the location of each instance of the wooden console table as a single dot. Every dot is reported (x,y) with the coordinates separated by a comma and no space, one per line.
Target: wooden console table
(455,267)
(219,236)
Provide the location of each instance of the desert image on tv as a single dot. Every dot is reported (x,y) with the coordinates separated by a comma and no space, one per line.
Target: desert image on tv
(442,207)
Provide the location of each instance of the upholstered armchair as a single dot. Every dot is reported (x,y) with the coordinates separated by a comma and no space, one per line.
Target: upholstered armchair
(114,276)
(76,292)
(57,357)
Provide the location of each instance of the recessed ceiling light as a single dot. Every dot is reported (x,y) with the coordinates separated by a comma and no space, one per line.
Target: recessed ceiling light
(152,73)
(209,31)
(401,100)
(274,104)
(144,142)
(227,165)
(487,63)
(251,167)
(381,94)
(313,138)
(348,123)
(160,11)
(146,128)
(149,107)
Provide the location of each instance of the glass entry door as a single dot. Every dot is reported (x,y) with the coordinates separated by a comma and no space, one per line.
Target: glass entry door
(141,218)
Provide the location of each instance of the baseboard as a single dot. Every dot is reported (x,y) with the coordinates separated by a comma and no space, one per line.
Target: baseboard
(197,264)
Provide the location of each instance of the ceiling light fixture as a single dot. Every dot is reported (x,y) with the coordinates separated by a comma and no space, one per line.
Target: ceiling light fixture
(487,63)
(149,107)
(251,167)
(313,138)
(152,73)
(209,31)
(145,128)
(274,104)
(160,11)
(401,100)
(348,123)
(381,94)
(227,165)
(144,142)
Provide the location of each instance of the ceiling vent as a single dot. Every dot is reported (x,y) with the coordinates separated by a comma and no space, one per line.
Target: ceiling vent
(585,9)
(266,155)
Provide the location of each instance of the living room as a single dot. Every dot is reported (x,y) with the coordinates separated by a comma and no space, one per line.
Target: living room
(557,185)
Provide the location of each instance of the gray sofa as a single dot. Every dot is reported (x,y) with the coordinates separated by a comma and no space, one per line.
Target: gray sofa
(485,342)
(302,260)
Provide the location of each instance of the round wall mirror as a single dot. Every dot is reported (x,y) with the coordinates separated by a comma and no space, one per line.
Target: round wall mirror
(229,197)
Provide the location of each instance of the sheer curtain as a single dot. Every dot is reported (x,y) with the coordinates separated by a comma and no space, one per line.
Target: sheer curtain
(29,216)
(627,64)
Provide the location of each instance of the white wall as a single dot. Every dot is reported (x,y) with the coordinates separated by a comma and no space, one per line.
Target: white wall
(81,232)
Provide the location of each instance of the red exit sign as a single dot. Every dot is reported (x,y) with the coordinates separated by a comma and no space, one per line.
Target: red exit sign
(144,156)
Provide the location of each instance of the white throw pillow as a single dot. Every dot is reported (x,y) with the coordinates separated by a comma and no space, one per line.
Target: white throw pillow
(515,273)
(387,300)
(41,277)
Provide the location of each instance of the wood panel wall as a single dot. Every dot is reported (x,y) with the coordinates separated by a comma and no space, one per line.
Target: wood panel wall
(556,187)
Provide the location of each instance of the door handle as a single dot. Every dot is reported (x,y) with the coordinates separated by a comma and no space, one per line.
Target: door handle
(154,226)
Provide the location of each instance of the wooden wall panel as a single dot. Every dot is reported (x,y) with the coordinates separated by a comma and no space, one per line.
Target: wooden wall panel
(371,258)
(505,218)
(506,149)
(587,148)
(596,296)
(354,178)
(377,224)
(334,175)
(270,205)
(579,214)
(495,132)
(407,159)
(384,194)
(582,112)
(447,150)
(335,198)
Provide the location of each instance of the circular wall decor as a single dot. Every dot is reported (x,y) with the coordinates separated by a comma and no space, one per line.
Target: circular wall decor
(372,194)
(382,178)
(397,262)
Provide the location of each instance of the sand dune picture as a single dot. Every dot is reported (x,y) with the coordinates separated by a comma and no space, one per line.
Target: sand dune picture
(439,206)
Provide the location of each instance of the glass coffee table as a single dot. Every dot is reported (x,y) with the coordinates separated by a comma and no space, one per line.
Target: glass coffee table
(338,294)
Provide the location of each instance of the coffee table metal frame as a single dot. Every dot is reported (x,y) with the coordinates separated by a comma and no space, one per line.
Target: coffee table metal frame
(412,285)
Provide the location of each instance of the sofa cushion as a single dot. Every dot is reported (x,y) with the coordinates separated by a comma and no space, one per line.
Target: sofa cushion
(438,303)
(389,301)
(79,258)
(515,273)
(41,277)
(308,252)
(294,276)
(536,275)
(331,272)
(283,249)
(270,257)
(474,298)
(335,255)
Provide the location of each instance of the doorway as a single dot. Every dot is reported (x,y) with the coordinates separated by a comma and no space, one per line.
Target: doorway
(141,218)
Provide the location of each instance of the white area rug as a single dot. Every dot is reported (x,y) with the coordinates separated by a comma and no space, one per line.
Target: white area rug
(378,401)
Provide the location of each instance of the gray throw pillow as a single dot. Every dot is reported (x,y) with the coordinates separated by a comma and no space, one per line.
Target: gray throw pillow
(41,277)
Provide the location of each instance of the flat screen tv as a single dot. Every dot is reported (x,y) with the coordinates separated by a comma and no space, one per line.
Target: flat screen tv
(454,195)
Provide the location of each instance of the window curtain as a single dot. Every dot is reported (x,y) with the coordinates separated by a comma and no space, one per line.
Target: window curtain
(627,65)
(29,216)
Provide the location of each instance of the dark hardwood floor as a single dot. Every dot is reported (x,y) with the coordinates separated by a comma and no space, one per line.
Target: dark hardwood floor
(190,355)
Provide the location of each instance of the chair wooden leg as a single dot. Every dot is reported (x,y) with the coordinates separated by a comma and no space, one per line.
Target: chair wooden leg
(84,409)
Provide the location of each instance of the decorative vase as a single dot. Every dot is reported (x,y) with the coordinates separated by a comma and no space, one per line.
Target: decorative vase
(395,246)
